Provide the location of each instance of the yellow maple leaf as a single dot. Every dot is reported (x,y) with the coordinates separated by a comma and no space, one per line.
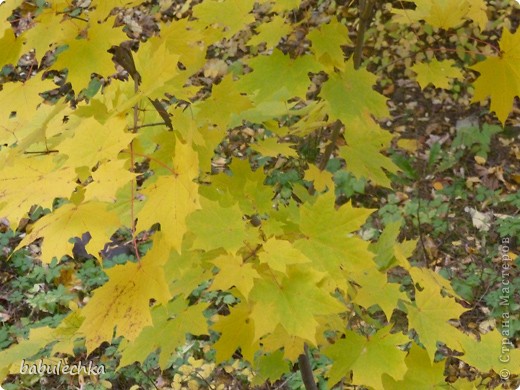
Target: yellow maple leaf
(238,331)
(438,73)
(500,76)
(94,142)
(105,184)
(280,253)
(444,14)
(271,147)
(229,15)
(173,197)
(321,179)
(124,301)
(50,29)
(34,180)
(74,220)
(21,99)
(88,55)
(234,272)
(11,48)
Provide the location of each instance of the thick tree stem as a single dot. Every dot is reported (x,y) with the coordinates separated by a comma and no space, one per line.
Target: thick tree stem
(306,370)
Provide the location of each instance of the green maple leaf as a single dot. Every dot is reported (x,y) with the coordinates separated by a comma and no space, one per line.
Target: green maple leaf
(223,105)
(365,139)
(430,313)
(330,246)
(369,358)
(216,226)
(277,72)
(422,373)
(271,32)
(170,324)
(500,76)
(271,366)
(294,302)
(326,44)
(349,95)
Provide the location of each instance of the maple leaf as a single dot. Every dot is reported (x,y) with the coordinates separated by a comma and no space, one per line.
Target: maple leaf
(187,270)
(124,301)
(321,179)
(170,324)
(270,33)
(11,357)
(294,302)
(278,254)
(489,353)
(500,76)
(216,226)
(422,373)
(279,338)
(11,48)
(100,38)
(349,95)
(161,74)
(329,246)
(376,290)
(51,29)
(45,180)
(74,220)
(223,105)
(429,316)
(22,99)
(105,184)
(173,197)
(438,73)
(278,72)
(271,147)
(271,366)
(326,44)
(237,331)
(102,8)
(234,272)
(182,38)
(93,141)
(365,139)
(229,15)
(444,14)
(378,352)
